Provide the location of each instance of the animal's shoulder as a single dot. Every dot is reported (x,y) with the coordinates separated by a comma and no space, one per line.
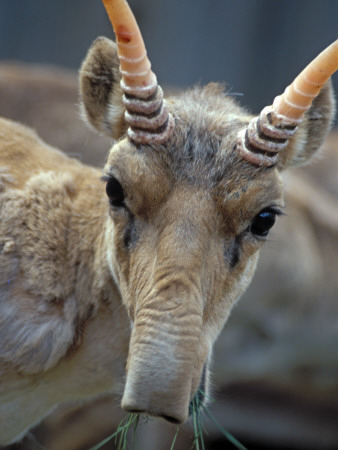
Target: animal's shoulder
(23,154)
(39,191)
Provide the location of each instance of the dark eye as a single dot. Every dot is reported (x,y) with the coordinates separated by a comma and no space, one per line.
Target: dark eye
(263,222)
(115,192)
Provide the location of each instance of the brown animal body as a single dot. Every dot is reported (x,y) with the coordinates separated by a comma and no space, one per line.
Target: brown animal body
(49,292)
(141,285)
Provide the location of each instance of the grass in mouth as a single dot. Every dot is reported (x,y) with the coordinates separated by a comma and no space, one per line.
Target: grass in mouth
(121,434)
(198,413)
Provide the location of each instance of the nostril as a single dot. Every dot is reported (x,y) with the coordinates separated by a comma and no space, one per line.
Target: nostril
(135,411)
(173,420)
(166,417)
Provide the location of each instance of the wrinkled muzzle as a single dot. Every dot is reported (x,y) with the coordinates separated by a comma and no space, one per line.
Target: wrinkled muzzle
(166,359)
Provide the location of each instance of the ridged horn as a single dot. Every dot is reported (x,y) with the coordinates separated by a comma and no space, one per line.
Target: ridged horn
(269,133)
(147,112)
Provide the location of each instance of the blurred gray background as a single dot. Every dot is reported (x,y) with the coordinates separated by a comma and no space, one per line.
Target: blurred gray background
(256,46)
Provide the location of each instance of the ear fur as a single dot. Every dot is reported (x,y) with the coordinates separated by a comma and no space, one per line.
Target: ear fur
(100,92)
(313,130)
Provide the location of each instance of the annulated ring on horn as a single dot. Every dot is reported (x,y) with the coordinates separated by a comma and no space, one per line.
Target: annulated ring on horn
(268,134)
(271,125)
(261,141)
(252,154)
(146,137)
(147,114)
(149,123)
(141,92)
(258,139)
(145,106)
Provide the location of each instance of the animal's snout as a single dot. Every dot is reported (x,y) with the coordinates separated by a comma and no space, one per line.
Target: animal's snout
(172,405)
(173,408)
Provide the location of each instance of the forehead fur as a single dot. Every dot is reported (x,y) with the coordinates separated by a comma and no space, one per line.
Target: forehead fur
(201,151)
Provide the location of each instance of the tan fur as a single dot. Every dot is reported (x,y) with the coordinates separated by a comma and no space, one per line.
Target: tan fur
(49,293)
(77,274)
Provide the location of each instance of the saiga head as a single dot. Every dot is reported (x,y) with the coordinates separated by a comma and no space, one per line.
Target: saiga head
(194,187)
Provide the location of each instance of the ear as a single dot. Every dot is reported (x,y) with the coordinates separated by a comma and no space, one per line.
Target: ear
(313,130)
(100,92)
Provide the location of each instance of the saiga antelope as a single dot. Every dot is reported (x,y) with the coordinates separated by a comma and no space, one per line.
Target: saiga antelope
(130,293)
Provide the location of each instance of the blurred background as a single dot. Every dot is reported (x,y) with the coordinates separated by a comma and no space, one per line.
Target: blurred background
(275,370)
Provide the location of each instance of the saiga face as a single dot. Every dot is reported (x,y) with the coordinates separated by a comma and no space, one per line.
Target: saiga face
(185,246)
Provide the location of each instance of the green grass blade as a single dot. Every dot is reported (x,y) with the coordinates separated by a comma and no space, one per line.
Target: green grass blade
(197,424)
(225,433)
(123,442)
(136,421)
(107,439)
(197,412)
(175,437)
(121,433)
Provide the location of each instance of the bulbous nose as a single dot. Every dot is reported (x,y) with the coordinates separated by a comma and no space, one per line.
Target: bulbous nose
(158,383)
(172,405)
(164,362)
(173,411)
